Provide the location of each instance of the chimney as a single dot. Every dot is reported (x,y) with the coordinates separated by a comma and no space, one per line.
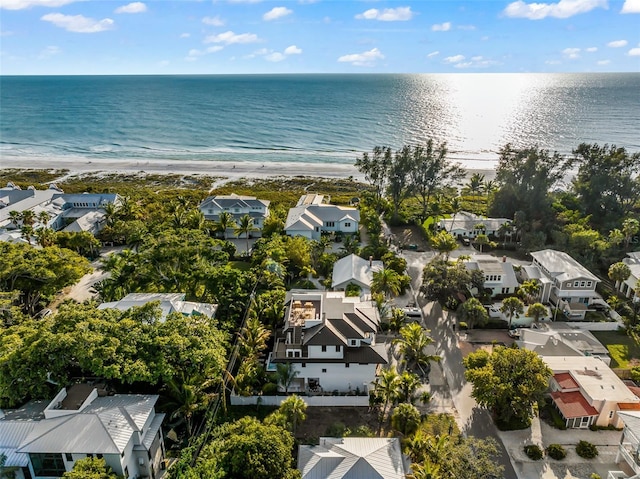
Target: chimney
(504,259)
(370,261)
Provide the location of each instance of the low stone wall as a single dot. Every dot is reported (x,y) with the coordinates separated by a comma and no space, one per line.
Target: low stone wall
(351,401)
(596,326)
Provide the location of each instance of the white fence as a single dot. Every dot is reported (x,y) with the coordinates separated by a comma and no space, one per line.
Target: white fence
(352,401)
(596,326)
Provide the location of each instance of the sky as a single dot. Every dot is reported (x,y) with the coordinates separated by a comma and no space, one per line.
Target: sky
(70,37)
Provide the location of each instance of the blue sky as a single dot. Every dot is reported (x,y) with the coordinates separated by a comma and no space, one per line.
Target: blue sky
(323,36)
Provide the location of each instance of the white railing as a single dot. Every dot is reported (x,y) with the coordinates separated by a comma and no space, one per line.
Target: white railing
(616,475)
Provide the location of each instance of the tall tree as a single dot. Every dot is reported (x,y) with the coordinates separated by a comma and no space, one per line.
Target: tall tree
(509,381)
(398,184)
(630,227)
(431,170)
(225,222)
(375,167)
(90,468)
(413,342)
(529,290)
(619,272)
(386,388)
(607,183)
(473,313)
(444,243)
(293,409)
(387,282)
(511,307)
(245,227)
(475,183)
(536,311)
(286,374)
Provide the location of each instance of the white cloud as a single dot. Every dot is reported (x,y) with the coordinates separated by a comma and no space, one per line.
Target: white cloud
(22,4)
(441,27)
(364,59)
(617,44)
(454,59)
(553,62)
(571,53)
(78,23)
(463,65)
(400,14)
(466,27)
(194,53)
(275,13)
(49,51)
(477,61)
(213,21)
(135,7)
(561,9)
(185,35)
(275,57)
(229,38)
(292,50)
(631,6)
(634,52)
(591,49)
(433,54)
(603,62)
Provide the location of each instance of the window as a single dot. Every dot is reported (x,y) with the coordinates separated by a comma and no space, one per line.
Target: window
(68,457)
(610,414)
(304,365)
(353,342)
(347,225)
(89,455)
(126,471)
(330,224)
(324,370)
(589,284)
(576,284)
(346,365)
(51,465)
(100,456)
(324,348)
(338,348)
(296,354)
(582,283)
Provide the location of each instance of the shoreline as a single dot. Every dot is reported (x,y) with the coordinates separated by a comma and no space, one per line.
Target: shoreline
(229,170)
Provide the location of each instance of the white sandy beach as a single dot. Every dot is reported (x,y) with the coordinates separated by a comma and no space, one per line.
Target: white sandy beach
(226,169)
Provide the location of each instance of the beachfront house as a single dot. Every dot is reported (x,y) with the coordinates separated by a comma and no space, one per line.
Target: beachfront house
(312,216)
(237,206)
(586,391)
(83,211)
(330,340)
(499,275)
(567,285)
(167,302)
(628,456)
(353,457)
(469,225)
(45,440)
(627,287)
(352,269)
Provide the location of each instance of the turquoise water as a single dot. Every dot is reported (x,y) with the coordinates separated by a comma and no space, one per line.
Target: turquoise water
(310,118)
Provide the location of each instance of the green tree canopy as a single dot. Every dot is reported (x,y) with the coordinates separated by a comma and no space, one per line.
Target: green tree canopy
(509,381)
(450,284)
(473,313)
(90,468)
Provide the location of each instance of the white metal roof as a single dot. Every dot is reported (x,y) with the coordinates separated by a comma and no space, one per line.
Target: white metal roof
(352,458)
(562,266)
(169,303)
(353,267)
(12,433)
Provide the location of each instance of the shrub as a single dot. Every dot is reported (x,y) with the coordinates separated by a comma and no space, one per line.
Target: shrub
(556,451)
(463,326)
(336,429)
(587,450)
(269,389)
(533,451)
(595,475)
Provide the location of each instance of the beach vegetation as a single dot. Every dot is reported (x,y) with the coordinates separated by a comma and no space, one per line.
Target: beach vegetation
(508,381)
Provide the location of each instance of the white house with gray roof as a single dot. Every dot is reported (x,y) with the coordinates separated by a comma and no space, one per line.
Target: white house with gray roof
(237,206)
(330,340)
(352,269)
(628,286)
(352,457)
(499,275)
(168,303)
(312,216)
(467,225)
(79,422)
(573,287)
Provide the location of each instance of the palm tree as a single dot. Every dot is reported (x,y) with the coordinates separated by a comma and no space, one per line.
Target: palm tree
(350,245)
(187,396)
(482,240)
(444,243)
(425,470)
(286,373)
(473,312)
(43,218)
(28,218)
(413,342)
(387,282)
(475,183)
(529,290)
(45,237)
(630,227)
(15,217)
(294,410)
(111,211)
(535,311)
(489,187)
(619,272)
(245,227)
(386,387)
(253,338)
(408,384)
(512,306)
(505,229)
(27,232)
(456,206)
(396,320)
(225,221)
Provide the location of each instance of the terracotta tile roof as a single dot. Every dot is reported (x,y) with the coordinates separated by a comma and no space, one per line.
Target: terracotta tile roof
(573,404)
(629,406)
(634,389)
(565,381)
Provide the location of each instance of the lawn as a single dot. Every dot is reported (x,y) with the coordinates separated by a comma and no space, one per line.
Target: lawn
(622,348)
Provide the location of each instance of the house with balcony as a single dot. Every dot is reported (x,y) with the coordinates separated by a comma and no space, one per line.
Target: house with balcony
(330,340)
(469,225)
(312,216)
(168,303)
(84,421)
(352,269)
(586,391)
(628,455)
(570,287)
(499,275)
(627,287)
(237,206)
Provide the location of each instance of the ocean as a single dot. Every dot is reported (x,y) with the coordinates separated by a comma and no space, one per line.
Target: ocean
(310,118)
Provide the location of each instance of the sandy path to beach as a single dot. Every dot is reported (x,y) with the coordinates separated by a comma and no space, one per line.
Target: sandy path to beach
(227,169)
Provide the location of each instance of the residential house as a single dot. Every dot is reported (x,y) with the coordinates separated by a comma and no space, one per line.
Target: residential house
(499,275)
(352,457)
(572,287)
(330,340)
(586,391)
(353,269)
(628,456)
(469,225)
(237,206)
(560,339)
(82,421)
(627,287)
(169,303)
(312,216)
(13,198)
